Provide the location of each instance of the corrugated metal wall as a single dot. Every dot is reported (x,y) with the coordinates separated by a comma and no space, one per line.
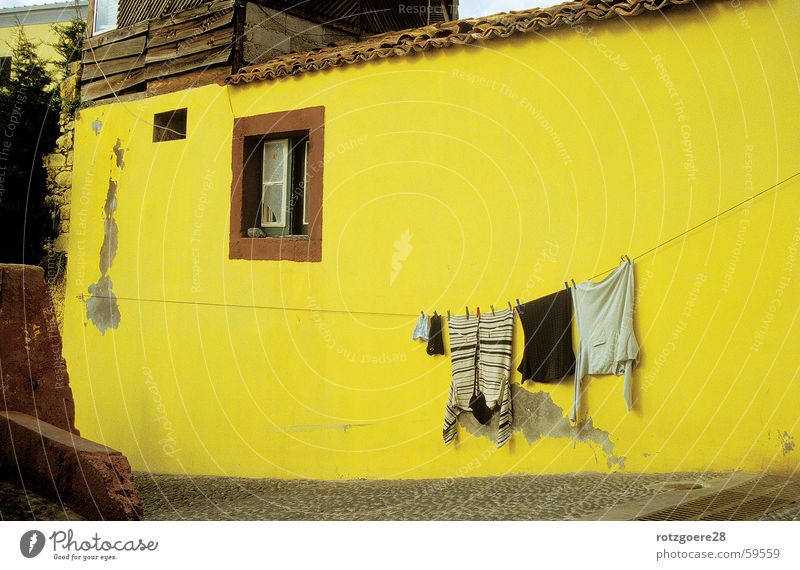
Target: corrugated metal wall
(370,15)
(373,15)
(132,11)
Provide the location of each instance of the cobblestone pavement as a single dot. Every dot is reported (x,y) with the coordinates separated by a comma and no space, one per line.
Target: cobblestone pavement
(518,497)
(17,505)
(790,513)
(545,497)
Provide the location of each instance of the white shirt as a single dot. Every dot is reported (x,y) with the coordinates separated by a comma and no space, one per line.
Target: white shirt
(606,342)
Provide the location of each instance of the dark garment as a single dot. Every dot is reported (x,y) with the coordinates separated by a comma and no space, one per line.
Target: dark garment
(435,342)
(547,324)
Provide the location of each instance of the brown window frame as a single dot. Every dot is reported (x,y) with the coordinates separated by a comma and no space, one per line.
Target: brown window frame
(248,133)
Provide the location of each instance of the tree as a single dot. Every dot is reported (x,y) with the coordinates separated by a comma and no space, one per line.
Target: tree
(68,45)
(28,129)
(69,38)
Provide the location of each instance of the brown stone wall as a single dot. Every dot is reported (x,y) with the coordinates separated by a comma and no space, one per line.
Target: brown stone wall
(33,374)
(59,162)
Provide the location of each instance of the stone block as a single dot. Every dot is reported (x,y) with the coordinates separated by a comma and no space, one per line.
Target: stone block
(54,160)
(64,178)
(64,142)
(93,480)
(52,200)
(34,377)
(61,242)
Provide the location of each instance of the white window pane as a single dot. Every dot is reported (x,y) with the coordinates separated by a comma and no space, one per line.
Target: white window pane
(105,15)
(275,163)
(305,186)
(273,205)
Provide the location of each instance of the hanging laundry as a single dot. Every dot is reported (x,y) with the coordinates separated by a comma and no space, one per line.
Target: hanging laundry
(422,328)
(435,341)
(604,316)
(480,353)
(547,324)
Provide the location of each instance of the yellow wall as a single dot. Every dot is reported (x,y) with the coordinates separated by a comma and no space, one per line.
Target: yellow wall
(513,165)
(41,34)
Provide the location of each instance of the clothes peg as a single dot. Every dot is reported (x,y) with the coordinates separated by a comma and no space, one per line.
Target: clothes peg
(573,283)
(478,312)
(435,314)
(566,285)
(519,307)
(467,311)
(448,315)
(492,307)
(510,308)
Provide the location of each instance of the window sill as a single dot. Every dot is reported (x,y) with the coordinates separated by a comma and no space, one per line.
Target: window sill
(285,248)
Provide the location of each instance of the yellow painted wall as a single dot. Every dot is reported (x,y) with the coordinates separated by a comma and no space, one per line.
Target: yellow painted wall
(41,34)
(514,165)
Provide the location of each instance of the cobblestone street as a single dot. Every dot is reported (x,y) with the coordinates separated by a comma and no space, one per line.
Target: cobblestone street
(544,497)
(551,497)
(16,505)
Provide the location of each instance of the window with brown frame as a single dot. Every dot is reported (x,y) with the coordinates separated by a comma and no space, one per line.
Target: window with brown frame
(276,195)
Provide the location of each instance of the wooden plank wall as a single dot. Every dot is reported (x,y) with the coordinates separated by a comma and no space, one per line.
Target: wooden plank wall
(191,47)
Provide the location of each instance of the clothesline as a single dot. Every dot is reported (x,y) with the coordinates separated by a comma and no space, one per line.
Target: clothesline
(83,298)
(711,219)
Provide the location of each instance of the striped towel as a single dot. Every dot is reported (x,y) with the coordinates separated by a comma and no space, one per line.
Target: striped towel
(480,347)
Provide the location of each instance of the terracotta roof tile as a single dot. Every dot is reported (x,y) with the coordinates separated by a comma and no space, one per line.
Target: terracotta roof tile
(458,32)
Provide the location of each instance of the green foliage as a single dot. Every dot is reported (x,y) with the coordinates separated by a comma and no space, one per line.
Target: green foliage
(69,39)
(27,68)
(28,130)
(68,45)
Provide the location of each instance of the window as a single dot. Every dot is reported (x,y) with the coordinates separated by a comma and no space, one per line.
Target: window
(283,205)
(105,16)
(169,126)
(276,195)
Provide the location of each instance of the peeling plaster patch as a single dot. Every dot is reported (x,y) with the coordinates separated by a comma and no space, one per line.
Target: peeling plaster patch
(119,154)
(101,307)
(97,126)
(787,442)
(537,416)
(108,251)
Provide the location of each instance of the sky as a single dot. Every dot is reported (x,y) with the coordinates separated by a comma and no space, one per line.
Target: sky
(15,3)
(468,8)
(472,8)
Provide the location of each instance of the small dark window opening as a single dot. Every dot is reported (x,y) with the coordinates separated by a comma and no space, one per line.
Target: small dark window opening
(169,126)
(276,183)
